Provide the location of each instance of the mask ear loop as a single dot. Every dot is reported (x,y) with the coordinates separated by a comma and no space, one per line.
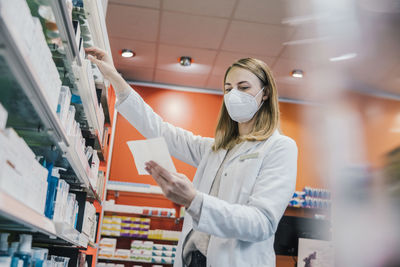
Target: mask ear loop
(262,101)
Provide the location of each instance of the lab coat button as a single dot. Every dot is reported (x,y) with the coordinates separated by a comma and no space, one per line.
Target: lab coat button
(225,174)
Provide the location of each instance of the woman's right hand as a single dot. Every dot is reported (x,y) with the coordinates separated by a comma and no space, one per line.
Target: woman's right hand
(102,60)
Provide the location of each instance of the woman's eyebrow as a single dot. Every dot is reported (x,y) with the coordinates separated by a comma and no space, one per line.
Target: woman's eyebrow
(243,82)
(238,82)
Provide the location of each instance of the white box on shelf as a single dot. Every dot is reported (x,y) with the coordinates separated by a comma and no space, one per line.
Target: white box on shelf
(89,219)
(106,252)
(10,180)
(45,67)
(108,243)
(22,176)
(61,201)
(122,253)
(17,17)
(64,102)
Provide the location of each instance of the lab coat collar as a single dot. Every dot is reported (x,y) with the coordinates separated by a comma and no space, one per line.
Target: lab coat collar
(243,149)
(246,146)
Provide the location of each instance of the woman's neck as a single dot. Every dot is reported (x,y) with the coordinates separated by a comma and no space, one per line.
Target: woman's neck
(245,127)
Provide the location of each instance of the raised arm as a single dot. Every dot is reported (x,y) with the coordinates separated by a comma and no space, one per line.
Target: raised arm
(182,144)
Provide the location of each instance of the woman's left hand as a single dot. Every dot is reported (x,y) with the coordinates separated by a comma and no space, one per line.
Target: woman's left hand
(175,186)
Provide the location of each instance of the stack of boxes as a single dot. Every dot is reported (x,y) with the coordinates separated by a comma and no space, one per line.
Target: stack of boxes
(125,226)
(89,221)
(107,247)
(110,205)
(29,38)
(66,113)
(147,251)
(315,198)
(164,235)
(140,251)
(21,175)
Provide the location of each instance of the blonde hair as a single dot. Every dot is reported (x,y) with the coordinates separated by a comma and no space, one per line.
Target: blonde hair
(266,118)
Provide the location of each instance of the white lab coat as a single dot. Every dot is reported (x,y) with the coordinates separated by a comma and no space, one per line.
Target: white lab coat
(256,186)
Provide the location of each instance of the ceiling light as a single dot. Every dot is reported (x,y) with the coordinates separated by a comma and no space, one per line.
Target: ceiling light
(185,61)
(127,53)
(343,57)
(297,73)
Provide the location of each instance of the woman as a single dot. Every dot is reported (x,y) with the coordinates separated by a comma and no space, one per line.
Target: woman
(245,176)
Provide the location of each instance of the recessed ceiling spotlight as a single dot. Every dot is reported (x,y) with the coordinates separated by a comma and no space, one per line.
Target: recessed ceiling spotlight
(297,73)
(127,53)
(343,57)
(185,61)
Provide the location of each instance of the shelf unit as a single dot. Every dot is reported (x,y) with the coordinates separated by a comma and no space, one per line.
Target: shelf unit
(132,261)
(134,188)
(141,238)
(16,216)
(126,209)
(307,213)
(66,29)
(35,120)
(26,76)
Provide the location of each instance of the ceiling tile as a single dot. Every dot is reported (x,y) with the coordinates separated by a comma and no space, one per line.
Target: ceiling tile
(168,59)
(132,22)
(145,52)
(255,38)
(264,11)
(136,73)
(225,59)
(215,82)
(192,31)
(139,3)
(320,42)
(274,12)
(221,8)
(179,78)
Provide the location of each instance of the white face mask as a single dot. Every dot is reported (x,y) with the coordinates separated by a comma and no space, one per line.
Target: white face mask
(241,106)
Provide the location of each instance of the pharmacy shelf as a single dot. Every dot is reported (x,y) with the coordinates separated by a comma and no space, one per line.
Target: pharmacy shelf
(307,213)
(81,173)
(136,210)
(134,188)
(133,261)
(94,195)
(97,22)
(65,27)
(16,216)
(71,235)
(16,211)
(141,238)
(26,77)
(93,245)
(95,142)
(87,93)
(104,100)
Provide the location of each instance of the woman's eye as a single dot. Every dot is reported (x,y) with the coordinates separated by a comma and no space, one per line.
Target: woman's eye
(228,89)
(243,88)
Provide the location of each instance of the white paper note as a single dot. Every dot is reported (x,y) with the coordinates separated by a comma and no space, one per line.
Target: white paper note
(154,149)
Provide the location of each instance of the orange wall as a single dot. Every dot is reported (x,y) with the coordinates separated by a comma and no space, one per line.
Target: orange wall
(182,109)
(199,113)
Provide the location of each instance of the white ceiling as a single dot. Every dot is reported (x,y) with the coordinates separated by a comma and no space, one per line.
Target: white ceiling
(215,33)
